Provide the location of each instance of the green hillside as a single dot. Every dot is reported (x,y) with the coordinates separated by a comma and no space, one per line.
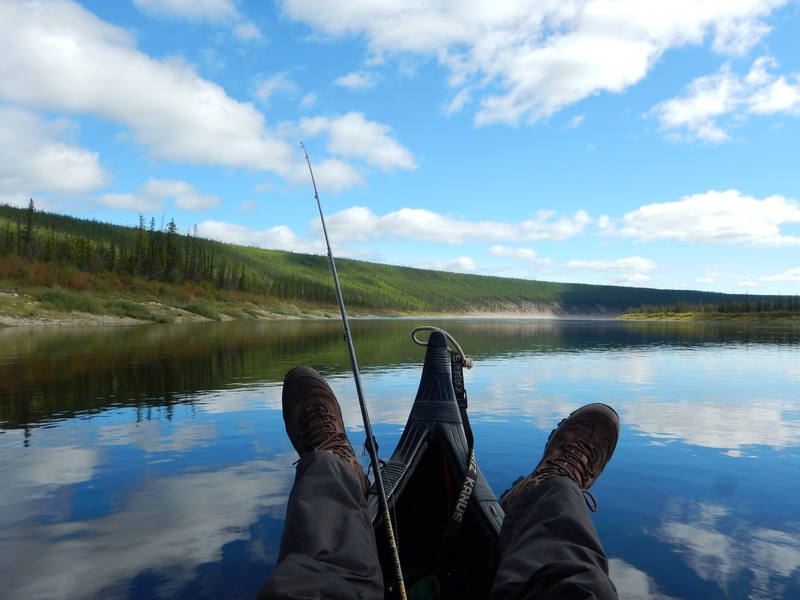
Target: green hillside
(57,258)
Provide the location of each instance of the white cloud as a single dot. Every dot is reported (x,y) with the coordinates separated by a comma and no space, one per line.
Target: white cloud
(462,264)
(278,238)
(633,263)
(308,100)
(151,196)
(576,121)
(38,155)
(60,57)
(211,10)
(728,97)
(458,102)
(359,80)
(631,271)
(247,32)
(533,58)
(526,255)
(267,88)
(360,224)
(353,136)
(713,217)
(790,275)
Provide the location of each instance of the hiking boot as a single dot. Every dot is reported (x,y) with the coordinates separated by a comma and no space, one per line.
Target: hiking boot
(579,448)
(314,420)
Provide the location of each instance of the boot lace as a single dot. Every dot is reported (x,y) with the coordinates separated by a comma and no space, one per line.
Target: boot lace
(576,462)
(319,433)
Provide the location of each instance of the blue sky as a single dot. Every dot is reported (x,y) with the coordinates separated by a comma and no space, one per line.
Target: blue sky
(597,141)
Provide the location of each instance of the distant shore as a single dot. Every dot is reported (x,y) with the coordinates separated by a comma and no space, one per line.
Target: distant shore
(85,309)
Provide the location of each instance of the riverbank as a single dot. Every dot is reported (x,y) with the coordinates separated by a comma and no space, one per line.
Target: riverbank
(58,307)
(721,317)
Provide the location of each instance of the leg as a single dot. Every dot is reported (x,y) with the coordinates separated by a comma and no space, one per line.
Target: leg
(550,548)
(328,547)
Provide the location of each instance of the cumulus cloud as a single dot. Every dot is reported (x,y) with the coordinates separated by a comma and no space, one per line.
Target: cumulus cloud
(525,255)
(530,59)
(633,263)
(357,80)
(790,275)
(38,154)
(713,217)
(60,57)
(151,196)
(360,224)
(631,271)
(711,105)
(462,264)
(277,238)
(353,136)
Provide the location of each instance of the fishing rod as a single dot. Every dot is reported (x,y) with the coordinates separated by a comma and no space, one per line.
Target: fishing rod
(372,446)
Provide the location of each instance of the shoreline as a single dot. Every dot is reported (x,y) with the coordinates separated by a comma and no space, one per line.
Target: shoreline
(78,319)
(57,319)
(20,310)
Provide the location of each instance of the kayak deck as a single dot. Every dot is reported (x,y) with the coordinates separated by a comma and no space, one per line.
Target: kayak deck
(445,516)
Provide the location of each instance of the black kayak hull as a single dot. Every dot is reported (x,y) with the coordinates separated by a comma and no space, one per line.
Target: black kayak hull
(445,516)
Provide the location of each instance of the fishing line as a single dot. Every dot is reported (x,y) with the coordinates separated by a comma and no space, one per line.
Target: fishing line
(372,447)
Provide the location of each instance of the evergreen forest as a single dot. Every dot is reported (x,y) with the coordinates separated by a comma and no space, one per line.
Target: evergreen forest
(51,254)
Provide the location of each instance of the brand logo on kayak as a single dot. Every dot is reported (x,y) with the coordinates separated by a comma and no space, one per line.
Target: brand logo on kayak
(466,489)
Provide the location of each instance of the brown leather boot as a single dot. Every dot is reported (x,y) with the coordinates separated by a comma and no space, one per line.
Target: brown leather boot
(314,420)
(579,448)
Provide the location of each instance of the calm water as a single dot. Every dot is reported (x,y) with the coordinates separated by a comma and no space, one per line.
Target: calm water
(151,462)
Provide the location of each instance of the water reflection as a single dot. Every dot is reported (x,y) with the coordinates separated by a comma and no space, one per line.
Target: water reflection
(742,560)
(725,425)
(633,584)
(167,528)
(66,509)
(159,452)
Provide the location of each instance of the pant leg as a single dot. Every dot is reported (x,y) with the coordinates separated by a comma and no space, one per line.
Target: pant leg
(550,548)
(328,547)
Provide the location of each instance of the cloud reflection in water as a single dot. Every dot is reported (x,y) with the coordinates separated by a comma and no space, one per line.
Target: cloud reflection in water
(722,548)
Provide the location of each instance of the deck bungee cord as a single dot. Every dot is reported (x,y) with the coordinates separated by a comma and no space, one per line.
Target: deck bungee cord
(370,443)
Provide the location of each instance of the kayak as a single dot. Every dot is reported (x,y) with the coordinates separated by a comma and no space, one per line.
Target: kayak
(446,518)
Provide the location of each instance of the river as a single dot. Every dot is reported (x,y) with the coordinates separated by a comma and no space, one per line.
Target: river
(151,461)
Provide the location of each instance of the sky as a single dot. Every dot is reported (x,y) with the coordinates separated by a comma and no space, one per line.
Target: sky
(621,142)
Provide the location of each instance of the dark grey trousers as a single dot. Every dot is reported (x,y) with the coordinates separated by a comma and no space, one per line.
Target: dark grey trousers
(550,548)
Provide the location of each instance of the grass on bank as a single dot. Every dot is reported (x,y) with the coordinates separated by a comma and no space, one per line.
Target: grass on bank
(778,316)
(69,293)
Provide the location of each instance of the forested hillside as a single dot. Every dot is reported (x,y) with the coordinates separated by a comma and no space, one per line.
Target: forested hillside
(44,250)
